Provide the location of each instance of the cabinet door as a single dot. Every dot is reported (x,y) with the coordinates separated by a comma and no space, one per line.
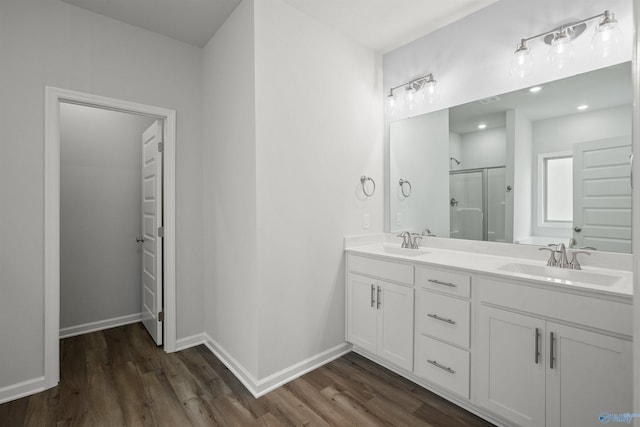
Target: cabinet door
(362,312)
(590,375)
(395,324)
(511,377)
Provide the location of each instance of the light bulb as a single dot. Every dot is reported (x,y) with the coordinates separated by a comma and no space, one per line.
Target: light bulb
(608,37)
(561,51)
(522,62)
(431,89)
(391,104)
(410,97)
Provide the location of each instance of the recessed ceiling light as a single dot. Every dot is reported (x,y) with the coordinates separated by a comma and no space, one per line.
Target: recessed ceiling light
(535,89)
(582,107)
(482,126)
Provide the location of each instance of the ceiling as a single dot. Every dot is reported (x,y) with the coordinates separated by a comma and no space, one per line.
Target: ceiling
(603,88)
(381,25)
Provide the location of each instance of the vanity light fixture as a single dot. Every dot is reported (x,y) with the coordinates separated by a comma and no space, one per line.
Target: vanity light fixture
(606,39)
(416,92)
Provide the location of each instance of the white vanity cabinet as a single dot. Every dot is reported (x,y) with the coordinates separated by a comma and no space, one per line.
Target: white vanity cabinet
(534,371)
(380,309)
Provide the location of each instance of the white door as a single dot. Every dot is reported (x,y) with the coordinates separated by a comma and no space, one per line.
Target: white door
(151,223)
(591,377)
(362,312)
(395,324)
(602,194)
(511,362)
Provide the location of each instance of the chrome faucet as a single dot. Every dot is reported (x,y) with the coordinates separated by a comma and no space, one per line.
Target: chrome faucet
(563,262)
(428,233)
(406,239)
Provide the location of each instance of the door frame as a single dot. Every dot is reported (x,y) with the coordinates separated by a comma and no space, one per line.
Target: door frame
(53,97)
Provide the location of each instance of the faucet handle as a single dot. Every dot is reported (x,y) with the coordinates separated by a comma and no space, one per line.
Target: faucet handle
(574,264)
(552,261)
(414,241)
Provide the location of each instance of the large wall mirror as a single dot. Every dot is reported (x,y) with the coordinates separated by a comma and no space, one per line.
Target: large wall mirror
(541,165)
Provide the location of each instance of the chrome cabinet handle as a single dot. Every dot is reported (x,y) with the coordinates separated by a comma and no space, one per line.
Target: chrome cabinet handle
(438,282)
(373,298)
(537,346)
(552,340)
(438,365)
(378,298)
(442,319)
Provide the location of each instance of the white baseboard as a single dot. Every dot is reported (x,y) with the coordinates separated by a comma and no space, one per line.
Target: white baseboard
(261,387)
(25,388)
(72,331)
(192,341)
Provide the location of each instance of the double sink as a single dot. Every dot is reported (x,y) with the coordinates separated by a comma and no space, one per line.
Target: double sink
(539,272)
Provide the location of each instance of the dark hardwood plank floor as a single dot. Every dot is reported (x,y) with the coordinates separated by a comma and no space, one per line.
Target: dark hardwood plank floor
(118,377)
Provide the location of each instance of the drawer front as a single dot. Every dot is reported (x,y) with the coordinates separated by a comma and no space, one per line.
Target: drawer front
(393,271)
(450,282)
(442,317)
(443,364)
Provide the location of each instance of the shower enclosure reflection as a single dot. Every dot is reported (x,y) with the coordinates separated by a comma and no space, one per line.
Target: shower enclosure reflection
(478,204)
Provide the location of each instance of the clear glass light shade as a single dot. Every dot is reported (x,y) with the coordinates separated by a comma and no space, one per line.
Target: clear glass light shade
(431,93)
(607,39)
(521,64)
(391,104)
(410,97)
(561,51)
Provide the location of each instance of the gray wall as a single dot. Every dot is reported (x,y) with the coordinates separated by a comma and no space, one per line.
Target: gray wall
(100,214)
(44,42)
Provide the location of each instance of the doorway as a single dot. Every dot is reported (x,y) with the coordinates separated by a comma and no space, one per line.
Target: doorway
(54,97)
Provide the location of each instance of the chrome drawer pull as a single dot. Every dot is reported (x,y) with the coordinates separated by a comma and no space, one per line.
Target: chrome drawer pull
(537,346)
(442,319)
(438,282)
(373,298)
(444,368)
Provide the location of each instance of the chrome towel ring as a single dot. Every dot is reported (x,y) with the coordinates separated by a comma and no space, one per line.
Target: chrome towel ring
(402,187)
(363,181)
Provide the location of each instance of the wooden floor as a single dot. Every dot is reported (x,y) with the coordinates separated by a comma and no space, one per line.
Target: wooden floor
(118,377)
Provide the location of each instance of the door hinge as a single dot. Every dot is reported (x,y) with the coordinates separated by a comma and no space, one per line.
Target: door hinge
(161,231)
(160,147)
(161,316)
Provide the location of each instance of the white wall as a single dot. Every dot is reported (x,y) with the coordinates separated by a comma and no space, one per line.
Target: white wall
(100,214)
(483,149)
(229,196)
(420,153)
(44,42)
(291,123)
(519,175)
(319,128)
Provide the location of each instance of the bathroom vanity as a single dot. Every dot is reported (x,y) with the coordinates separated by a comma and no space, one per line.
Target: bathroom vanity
(507,338)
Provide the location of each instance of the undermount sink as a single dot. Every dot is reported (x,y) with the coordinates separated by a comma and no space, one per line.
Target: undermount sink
(394,250)
(561,275)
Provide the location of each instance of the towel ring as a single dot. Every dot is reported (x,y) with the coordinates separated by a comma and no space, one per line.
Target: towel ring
(402,183)
(363,181)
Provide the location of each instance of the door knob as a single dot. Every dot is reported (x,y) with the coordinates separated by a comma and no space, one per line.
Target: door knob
(140,239)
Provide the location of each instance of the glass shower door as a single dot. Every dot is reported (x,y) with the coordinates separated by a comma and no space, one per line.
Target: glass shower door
(466,212)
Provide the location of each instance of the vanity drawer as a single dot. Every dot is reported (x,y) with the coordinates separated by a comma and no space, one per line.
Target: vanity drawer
(444,281)
(443,364)
(393,271)
(443,317)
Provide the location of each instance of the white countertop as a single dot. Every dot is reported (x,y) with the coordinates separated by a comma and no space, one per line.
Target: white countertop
(620,281)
